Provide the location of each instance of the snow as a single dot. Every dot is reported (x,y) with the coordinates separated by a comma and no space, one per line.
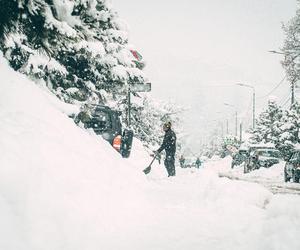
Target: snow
(60,195)
(62,187)
(64,9)
(117,34)
(119,72)
(13,39)
(35,62)
(124,57)
(63,27)
(96,48)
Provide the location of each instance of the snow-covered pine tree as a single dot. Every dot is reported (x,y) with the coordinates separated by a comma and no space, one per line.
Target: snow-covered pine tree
(267,124)
(79,48)
(149,120)
(291,48)
(288,131)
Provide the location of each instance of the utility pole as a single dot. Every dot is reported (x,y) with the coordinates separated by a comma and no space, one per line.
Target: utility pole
(241,132)
(253,101)
(222,130)
(253,113)
(286,53)
(236,118)
(236,124)
(293,92)
(227,129)
(129,107)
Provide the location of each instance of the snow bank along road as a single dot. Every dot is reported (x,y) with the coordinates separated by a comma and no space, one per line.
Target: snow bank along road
(274,186)
(271,178)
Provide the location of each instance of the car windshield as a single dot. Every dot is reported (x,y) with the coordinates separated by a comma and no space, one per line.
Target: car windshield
(269,153)
(101,120)
(295,157)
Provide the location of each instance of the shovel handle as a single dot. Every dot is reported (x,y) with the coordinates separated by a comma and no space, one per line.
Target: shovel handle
(152,160)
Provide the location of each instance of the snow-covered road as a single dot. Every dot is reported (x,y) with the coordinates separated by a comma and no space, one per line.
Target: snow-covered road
(271,178)
(199,210)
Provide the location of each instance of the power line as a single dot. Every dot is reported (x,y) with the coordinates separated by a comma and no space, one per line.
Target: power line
(286,102)
(282,80)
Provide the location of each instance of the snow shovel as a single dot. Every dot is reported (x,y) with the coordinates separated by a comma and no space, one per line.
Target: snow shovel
(148,169)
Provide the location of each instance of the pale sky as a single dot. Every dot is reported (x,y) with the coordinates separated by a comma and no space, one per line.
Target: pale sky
(197,50)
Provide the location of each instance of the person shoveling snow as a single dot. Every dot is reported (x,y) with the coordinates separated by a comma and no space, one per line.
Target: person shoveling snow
(169,145)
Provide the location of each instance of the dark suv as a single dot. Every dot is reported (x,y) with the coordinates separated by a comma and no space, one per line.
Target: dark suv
(292,167)
(106,122)
(262,157)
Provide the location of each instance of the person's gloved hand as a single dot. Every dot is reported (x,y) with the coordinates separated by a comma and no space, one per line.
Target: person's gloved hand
(158,156)
(154,153)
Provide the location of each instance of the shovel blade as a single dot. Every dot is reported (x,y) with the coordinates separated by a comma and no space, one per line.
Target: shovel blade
(147,170)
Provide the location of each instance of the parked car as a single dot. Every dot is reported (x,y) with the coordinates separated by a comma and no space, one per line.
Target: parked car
(261,157)
(106,122)
(292,167)
(239,157)
(189,163)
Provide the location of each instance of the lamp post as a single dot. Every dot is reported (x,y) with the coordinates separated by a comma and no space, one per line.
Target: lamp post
(236,119)
(227,127)
(253,101)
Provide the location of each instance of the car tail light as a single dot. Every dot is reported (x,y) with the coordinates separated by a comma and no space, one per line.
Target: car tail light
(117,142)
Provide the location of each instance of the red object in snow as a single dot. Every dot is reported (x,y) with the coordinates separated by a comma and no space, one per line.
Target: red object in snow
(137,55)
(117,142)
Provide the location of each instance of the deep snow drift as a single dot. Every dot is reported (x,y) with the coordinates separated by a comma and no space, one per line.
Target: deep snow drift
(62,187)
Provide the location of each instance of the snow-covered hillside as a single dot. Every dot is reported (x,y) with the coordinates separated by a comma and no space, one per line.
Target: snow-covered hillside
(64,188)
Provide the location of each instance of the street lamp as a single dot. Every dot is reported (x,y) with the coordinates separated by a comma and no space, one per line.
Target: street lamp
(276,52)
(236,119)
(253,101)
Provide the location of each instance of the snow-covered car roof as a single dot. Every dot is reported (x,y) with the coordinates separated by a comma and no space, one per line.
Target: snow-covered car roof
(247,146)
(262,145)
(267,149)
(244,146)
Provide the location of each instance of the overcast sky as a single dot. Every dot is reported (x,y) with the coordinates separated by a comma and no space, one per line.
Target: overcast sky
(197,50)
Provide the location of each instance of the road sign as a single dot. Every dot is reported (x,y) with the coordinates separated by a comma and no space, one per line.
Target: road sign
(141,87)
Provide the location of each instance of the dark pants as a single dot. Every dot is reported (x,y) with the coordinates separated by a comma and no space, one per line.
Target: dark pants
(170,164)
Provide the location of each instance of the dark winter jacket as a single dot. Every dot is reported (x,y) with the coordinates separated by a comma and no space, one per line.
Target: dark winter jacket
(169,143)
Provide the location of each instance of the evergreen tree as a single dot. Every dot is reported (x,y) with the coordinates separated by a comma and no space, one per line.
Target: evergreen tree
(278,127)
(267,124)
(80,49)
(151,117)
(77,47)
(288,134)
(291,48)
